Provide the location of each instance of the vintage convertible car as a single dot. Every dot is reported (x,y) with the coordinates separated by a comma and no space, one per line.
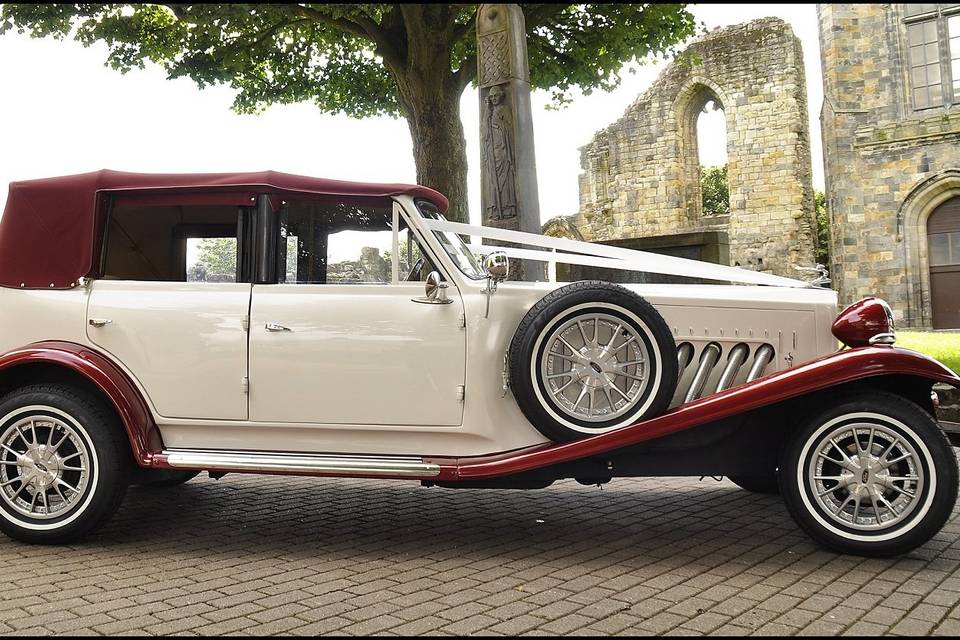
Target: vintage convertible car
(156,326)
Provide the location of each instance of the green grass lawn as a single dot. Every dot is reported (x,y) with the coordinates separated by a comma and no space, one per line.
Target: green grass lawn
(945,347)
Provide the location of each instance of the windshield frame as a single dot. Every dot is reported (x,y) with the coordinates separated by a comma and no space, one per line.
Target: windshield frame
(453,245)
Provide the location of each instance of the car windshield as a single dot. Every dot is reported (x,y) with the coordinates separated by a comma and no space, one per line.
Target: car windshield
(453,244)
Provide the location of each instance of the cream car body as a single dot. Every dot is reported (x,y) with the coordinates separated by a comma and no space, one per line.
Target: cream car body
(363,368)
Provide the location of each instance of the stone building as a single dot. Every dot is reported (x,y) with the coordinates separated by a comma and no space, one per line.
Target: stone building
(640,186)
(891,142)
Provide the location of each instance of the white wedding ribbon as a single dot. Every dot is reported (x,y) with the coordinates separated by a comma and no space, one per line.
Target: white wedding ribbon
(600,255)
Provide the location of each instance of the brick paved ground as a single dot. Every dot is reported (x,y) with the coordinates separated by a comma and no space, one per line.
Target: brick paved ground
(307,556)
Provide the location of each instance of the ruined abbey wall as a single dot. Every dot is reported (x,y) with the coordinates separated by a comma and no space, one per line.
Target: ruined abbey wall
(641,174)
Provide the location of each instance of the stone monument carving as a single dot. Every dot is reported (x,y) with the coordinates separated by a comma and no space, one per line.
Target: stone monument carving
(508,170)
(500,186)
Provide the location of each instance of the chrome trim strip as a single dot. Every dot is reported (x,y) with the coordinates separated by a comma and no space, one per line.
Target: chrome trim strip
(302,463)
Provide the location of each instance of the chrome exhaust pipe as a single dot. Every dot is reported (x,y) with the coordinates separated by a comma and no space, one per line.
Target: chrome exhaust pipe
(763,358)
(737,357)
(684,356)
(709,357)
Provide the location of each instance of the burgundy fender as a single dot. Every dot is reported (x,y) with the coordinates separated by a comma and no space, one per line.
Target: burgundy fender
(141,430)
(829,371)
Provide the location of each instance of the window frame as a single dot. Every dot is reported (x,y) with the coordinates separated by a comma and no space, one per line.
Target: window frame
(179,234)
(398,214)
(258,242)
(940,16)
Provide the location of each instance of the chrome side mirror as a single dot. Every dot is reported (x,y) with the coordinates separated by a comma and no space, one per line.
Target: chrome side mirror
(497,266)
(435,289)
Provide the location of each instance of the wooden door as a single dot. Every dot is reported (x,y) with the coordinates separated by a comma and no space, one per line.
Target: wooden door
(943,243)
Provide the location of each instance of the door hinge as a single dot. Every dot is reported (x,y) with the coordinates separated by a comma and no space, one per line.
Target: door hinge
(462,320)
(246,323)
(245,384)
(461,392)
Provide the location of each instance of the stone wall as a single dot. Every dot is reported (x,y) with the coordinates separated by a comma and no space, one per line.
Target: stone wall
(887,165)
(641,174)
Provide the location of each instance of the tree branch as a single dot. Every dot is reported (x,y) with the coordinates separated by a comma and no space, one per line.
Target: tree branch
(361,26)
(538,15)
(466,73)
(549,49)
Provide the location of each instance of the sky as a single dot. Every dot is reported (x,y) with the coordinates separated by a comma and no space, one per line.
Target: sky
(62,112)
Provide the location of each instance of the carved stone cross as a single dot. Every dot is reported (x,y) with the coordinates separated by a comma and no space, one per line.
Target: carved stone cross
(508,168)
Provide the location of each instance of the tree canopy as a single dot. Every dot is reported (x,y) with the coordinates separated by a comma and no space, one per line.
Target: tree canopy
(410,60)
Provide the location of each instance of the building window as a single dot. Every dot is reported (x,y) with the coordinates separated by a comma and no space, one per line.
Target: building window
(933,39)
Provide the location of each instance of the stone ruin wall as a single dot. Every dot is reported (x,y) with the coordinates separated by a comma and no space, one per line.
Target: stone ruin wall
(641,174)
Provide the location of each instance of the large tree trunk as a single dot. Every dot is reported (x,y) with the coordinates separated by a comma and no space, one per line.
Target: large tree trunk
(430,98)
(439,148)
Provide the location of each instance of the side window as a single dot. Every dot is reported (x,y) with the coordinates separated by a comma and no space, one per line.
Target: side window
(170,243)
(415,264)
(339,243)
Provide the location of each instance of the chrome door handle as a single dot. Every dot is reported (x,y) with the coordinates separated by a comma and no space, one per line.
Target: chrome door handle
(99,322)
(273,326)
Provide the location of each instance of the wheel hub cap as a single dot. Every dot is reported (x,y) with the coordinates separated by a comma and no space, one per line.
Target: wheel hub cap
(866,476)
(595,367)
(44,466)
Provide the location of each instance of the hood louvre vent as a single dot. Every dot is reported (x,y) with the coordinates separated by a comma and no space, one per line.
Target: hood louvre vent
(700,373)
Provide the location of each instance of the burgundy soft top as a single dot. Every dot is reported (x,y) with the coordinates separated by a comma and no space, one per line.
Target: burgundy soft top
(51,228)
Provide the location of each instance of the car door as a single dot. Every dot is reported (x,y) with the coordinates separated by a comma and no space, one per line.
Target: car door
(339,339)
(170,310)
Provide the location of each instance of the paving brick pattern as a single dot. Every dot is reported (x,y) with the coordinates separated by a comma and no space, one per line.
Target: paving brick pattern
(284,555)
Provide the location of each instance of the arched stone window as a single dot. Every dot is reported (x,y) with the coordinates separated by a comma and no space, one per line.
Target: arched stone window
(712,156)
(704,141)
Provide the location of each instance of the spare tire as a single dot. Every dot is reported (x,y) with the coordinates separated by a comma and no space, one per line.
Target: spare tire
(589,358)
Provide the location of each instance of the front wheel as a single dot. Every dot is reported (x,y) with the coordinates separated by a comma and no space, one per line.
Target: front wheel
(873,475)
(64,464)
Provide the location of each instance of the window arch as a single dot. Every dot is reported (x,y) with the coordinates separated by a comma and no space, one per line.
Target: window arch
(943,250)
(913,228)
(702,121)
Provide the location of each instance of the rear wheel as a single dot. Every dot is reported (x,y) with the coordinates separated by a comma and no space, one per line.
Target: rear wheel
(873,475)
(63,464)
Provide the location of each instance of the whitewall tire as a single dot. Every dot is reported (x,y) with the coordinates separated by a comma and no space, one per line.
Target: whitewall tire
(589,358)
(64,463)
(873,475)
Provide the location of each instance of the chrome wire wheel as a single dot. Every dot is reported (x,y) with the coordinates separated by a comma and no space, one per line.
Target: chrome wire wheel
(595,367)
(44,466)
(866,476)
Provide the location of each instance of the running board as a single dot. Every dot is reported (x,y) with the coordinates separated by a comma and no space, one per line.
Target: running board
(333,464)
